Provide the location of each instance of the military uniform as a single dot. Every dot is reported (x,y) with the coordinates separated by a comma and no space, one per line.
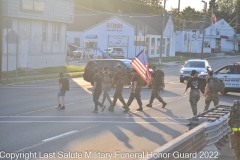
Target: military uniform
(135,94)
(211,96)
(119,88)
(234,123)
(194,96)
(106,88)
(155,90)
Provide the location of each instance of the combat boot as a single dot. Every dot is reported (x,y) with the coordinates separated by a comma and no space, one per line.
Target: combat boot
(164,104)
(63,107)
(140,108)
(59,106)
(111,108)
(149,105)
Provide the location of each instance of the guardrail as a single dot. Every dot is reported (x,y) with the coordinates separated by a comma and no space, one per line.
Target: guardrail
(205,130)
(216,130)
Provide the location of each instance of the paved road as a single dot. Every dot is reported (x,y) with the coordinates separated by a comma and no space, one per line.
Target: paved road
(30,122)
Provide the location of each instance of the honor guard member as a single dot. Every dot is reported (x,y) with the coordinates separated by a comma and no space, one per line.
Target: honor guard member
(97,90)
(157,82)
(137,83)
(107,81)
(211,91)
(119,81)
(194,96)
(234,123)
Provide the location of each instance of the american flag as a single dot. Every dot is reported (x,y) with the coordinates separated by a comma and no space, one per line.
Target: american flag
(214,18)
(140,64)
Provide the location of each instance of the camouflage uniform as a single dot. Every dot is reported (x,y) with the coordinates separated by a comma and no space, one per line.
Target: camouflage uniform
(136,95)
(106,88)
(234,123)
(118,93)
(193,99)
(212,96)
(155,94)
(155,91)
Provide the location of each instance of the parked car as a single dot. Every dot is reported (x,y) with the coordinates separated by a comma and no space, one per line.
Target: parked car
(115,52)
(199,65)
(111,64)
(230,75)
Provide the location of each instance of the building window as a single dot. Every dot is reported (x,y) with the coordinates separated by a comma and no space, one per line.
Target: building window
(158,45)
(44,31)
(56,32)
(152,46)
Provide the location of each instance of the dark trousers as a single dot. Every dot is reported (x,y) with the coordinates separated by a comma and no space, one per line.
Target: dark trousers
(136,95)
(118,95)
(154,95)
(96,96)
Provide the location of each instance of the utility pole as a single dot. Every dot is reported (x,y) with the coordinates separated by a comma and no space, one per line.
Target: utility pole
(161,45)
(203,28)
(235,37)
(211,31)
(178,13)
(1,32)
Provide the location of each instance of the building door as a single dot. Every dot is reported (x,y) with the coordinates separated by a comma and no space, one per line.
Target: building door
(23,54)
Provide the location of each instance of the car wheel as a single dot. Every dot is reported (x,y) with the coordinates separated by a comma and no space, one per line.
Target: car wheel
(181,80)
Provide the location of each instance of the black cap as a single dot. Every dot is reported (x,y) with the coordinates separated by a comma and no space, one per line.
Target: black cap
(193,72)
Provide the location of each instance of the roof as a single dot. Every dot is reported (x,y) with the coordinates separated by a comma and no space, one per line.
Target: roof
(84,21)
(197,25)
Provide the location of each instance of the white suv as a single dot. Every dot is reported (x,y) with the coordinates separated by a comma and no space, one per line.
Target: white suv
(230,75)
(115,52)
(199,65)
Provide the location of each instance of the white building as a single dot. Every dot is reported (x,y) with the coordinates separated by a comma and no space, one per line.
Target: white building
(120,30)
(218,37)
(40,26)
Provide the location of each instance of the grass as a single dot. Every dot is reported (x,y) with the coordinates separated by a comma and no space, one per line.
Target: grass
(176,58)
(12,74)
(64,69)
(231,53)
(155,65)
(44,71)
(26,79)
(171,59)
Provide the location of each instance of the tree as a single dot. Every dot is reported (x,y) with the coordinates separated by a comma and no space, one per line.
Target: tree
(189,14)
(212,4)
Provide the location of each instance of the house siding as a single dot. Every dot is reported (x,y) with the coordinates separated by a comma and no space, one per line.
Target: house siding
(32,50)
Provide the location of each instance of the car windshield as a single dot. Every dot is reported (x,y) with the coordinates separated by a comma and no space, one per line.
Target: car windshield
(194,64)
(127,63)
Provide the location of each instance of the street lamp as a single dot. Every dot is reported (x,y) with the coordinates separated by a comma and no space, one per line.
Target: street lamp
(203,29)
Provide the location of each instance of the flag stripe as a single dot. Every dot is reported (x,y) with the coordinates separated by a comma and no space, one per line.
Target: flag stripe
(140,64)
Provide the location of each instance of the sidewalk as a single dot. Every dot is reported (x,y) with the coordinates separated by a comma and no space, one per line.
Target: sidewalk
(226,153)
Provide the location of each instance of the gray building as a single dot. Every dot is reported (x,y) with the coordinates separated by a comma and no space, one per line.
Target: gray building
(35,31)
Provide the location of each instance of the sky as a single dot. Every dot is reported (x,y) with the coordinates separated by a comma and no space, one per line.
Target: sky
(197,4)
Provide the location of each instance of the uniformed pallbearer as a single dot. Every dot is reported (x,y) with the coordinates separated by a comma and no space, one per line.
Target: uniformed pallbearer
(135,92)
(234,123)
(119,81)
(194,96)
